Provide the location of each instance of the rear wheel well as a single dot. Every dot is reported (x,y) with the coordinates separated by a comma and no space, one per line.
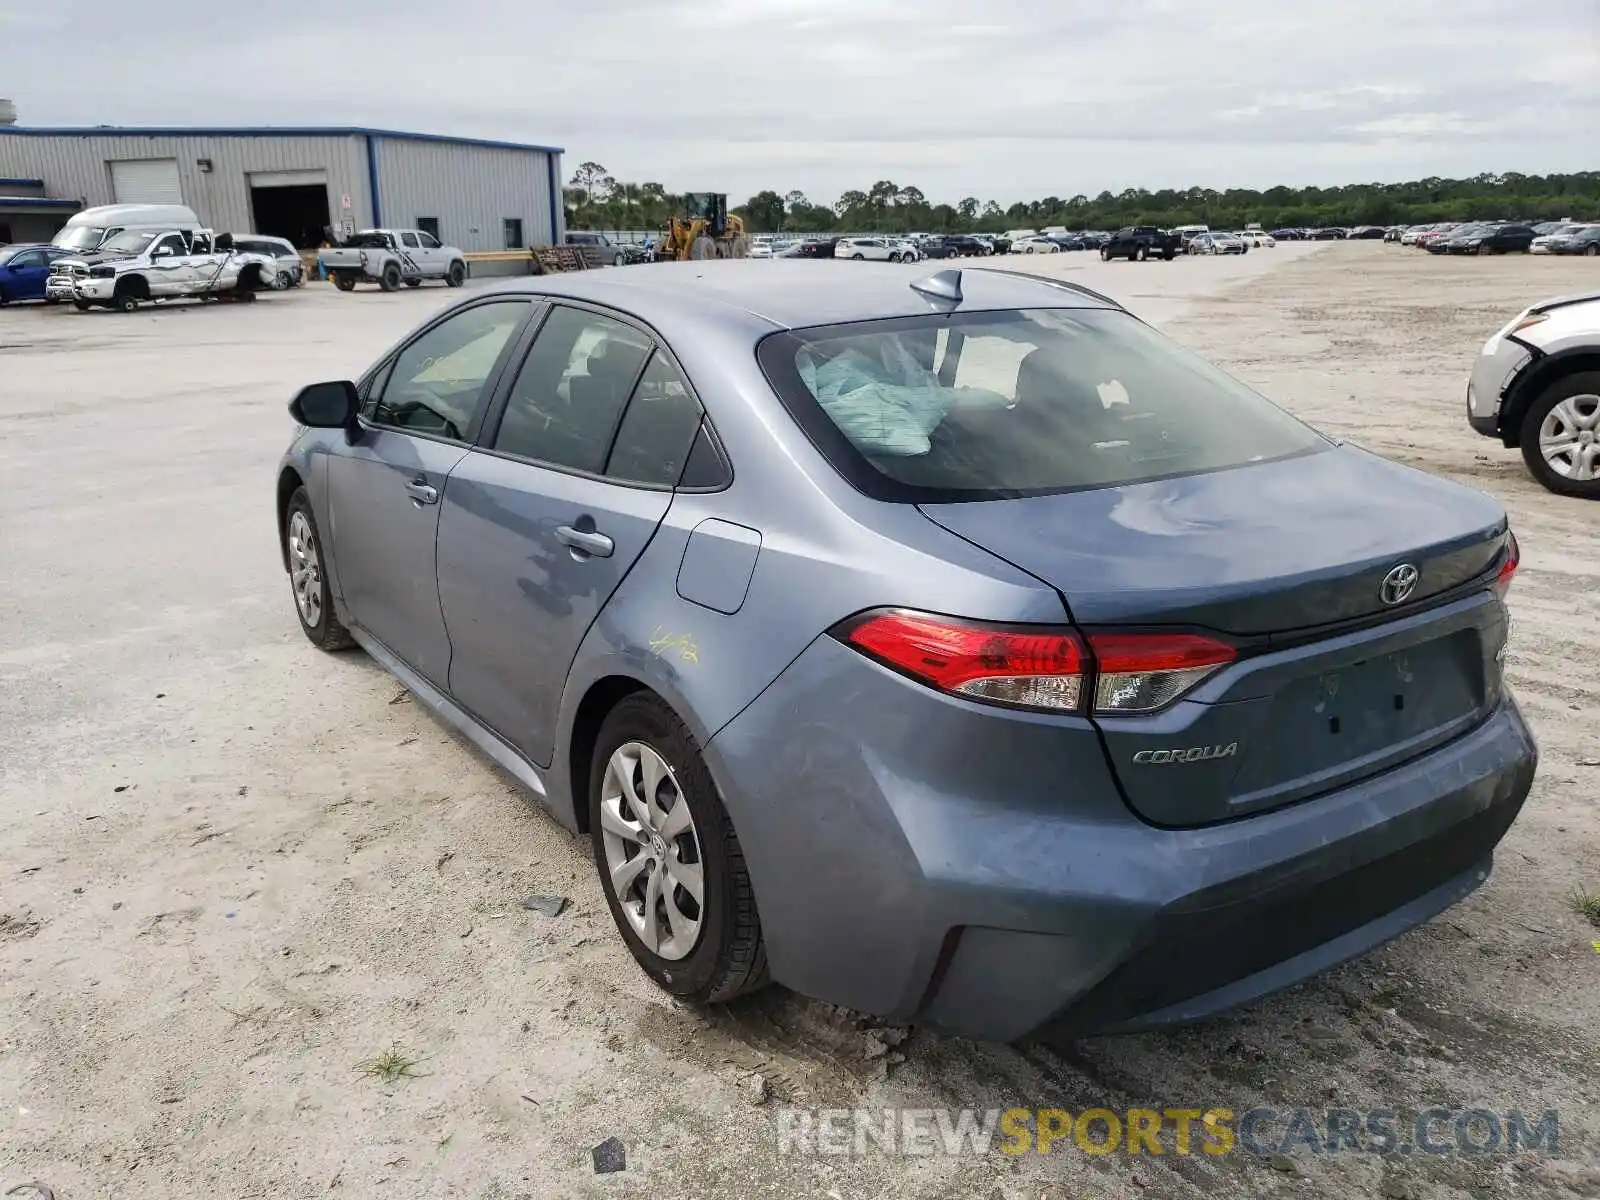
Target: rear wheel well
(288,482)
(1529,388)
(597,703)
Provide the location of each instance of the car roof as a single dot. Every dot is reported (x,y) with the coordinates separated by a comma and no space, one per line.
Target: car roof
(797,293)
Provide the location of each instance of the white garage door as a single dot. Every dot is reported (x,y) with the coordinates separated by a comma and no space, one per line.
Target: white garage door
(146,181)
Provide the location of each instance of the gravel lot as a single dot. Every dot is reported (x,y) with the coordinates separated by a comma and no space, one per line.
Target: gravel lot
(234,869)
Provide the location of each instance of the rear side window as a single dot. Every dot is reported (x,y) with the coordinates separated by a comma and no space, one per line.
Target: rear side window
(658,429)
(1020,402)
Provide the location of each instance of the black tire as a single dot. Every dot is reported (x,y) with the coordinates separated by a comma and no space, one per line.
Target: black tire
(413,283)
(894,257)
(4,299)
(284,281)
(390,279)
(858,257)
(328,633)
(344,281)
(730,957)
(1580,383)
(1591,250)
(82,305)
(1167,256)
(1139,254)
(1105,255)
(457,274)
(125,302)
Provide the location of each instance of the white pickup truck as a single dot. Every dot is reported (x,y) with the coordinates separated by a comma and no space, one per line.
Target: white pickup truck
(390,257)
(137,266)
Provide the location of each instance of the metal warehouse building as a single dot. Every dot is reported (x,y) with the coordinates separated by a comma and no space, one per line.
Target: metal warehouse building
(295,183)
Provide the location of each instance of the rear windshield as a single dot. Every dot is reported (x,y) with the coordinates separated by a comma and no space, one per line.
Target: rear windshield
(1020,402)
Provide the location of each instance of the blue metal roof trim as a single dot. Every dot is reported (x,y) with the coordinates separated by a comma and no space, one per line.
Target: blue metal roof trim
(38,183)
(265,131)
(37,202)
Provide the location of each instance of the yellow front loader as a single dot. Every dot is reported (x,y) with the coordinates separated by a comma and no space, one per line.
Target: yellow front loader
(704,230)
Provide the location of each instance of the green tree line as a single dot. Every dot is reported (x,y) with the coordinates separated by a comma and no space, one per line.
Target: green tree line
(597,200)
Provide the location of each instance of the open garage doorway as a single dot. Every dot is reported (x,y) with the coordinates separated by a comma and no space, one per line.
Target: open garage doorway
(291,204)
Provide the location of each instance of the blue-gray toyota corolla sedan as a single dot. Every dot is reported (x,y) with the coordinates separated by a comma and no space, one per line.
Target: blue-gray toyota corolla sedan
(951,646)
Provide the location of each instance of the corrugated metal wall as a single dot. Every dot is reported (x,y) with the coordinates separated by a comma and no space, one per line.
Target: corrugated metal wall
(470,189)
(74,167)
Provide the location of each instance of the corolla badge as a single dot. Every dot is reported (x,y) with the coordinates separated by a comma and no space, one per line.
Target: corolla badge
(1190,755)
(1398,584)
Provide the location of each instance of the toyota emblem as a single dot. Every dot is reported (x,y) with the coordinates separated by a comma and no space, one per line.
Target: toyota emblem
(1398,584)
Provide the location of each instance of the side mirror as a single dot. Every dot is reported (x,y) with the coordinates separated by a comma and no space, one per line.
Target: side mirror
(161,252)
(223,242)
(326,405)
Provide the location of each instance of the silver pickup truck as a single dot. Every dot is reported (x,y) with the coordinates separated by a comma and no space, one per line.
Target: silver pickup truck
(138,266)
(390,257)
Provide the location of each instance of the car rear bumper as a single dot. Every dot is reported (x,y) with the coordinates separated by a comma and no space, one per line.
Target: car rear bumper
(921,857)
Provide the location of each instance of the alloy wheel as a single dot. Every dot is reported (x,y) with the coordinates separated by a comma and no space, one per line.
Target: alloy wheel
(1569,438)
(305,569)
(652,851)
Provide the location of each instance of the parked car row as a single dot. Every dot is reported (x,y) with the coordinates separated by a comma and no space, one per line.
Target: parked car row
(120,256)
(1503,237)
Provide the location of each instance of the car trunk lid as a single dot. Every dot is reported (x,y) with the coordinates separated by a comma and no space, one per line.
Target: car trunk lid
(1336,679)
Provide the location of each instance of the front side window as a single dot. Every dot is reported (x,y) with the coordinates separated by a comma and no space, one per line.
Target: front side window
(429,242)
(569,395)
(169,245)
(1018,402)
(435,382)
(409,240)
(25,258)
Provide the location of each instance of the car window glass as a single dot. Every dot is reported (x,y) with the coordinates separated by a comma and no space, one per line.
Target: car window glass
(564,406)
(429,242)
(171,244)
(1024,401)
(409,239)
(657,430)
(435,382)
(28,258)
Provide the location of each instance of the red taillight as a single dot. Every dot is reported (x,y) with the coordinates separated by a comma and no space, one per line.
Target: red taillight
(1141,672)
(1022,667)
(1040,667)
(1508,569)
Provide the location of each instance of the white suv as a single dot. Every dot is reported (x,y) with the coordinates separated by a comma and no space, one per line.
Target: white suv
(875,249)
(1534,386)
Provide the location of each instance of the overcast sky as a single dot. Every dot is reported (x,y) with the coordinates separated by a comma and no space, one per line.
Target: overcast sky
(1002,99)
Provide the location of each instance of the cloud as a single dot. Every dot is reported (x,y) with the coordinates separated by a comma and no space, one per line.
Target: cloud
(1008,100)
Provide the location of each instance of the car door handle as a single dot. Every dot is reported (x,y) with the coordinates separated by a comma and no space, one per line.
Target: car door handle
(596,544)
(421,493)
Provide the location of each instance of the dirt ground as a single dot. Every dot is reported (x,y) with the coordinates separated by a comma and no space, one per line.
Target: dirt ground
(234,871)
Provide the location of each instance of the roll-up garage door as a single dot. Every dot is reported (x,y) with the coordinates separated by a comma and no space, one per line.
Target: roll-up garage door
(146,181)
(262,179)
